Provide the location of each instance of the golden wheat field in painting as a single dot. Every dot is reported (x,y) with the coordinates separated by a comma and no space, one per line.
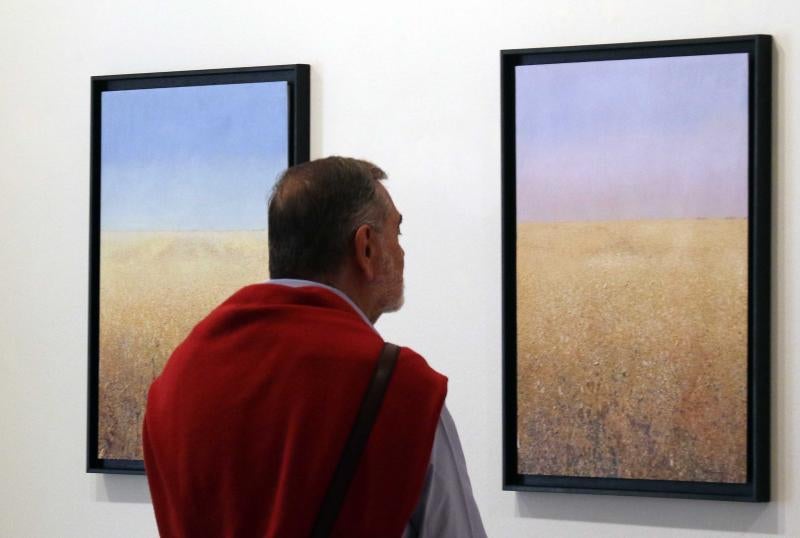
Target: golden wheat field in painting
(154,287)
(632,340)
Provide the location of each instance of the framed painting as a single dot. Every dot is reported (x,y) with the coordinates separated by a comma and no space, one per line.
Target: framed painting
(182,164)
(636,268)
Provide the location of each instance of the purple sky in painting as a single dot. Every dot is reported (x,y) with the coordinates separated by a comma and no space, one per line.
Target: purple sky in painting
(659,138)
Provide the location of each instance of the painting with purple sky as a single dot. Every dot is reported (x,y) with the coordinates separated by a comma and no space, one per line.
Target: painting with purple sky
(632,199)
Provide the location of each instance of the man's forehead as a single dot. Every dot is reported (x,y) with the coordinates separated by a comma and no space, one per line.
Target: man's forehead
(388,197)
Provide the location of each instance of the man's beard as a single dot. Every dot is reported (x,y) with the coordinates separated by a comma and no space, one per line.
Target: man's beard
(393,304)
(393,292)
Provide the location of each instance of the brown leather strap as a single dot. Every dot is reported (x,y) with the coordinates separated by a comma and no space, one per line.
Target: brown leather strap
(354,447)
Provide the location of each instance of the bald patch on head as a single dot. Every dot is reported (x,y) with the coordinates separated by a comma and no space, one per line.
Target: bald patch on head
(292,187)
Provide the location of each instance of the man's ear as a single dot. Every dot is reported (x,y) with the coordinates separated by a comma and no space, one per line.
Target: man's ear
(364,246)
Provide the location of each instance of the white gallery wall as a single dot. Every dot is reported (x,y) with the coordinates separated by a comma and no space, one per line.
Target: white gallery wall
(413,86)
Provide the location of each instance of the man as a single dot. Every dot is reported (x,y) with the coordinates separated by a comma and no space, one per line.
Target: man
(246,424)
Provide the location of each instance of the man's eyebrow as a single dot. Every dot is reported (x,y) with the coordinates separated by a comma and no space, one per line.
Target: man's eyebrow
(401,219)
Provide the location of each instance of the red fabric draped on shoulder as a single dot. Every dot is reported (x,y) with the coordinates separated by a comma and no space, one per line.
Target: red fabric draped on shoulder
(246,423)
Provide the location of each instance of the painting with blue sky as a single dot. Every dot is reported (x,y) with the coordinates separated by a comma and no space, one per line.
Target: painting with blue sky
(632,199)
(185,177)
(192,158)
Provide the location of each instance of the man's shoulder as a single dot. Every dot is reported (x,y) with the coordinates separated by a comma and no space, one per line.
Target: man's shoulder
(415,376)
(407,354)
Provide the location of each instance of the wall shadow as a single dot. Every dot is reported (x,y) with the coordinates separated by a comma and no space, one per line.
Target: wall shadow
(118,488)
(652,512)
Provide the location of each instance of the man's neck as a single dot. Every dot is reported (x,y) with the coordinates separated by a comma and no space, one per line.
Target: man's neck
(358,294)
(332,285)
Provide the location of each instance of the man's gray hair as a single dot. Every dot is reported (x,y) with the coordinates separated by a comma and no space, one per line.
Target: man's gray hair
(314,211)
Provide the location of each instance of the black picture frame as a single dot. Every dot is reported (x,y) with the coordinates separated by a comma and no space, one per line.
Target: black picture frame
(756,487)
(297,78)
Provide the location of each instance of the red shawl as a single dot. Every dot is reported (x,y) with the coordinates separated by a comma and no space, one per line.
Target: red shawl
(247,421)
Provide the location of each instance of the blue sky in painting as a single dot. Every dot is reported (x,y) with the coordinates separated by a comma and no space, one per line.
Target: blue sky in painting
(192,158)
(657,138)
